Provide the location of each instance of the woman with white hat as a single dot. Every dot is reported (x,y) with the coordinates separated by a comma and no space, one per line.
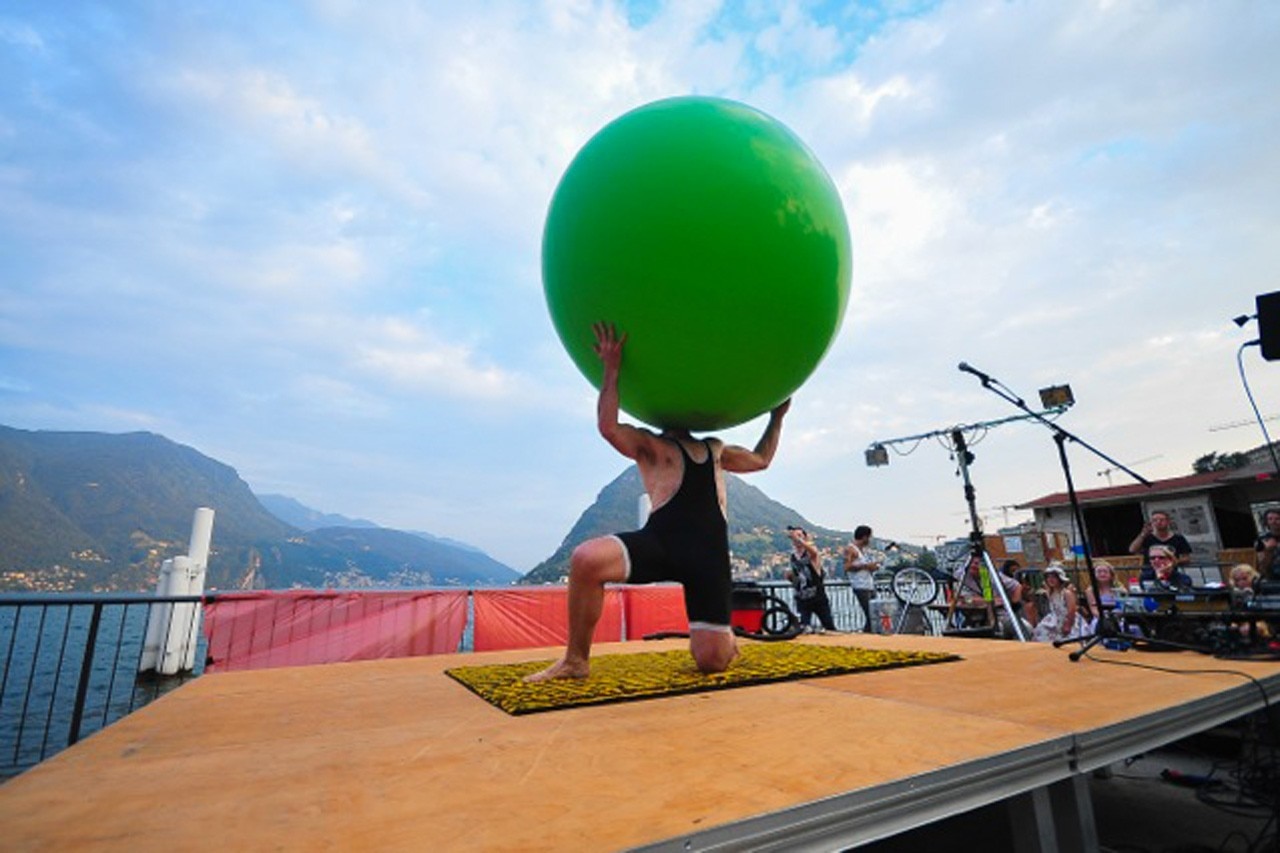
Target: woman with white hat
(1058,618)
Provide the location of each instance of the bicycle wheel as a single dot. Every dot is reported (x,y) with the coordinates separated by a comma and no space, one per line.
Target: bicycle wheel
(914,586)
(778,619)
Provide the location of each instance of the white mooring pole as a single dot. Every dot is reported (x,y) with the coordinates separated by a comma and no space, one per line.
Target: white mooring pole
(173,629)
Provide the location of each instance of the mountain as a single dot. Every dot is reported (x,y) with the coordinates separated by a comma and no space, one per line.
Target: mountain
(305,518)
(302,517)
(397,557)
(93,511)
(757,524)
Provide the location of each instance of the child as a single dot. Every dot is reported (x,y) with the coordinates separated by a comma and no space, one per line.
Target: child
(1243,577)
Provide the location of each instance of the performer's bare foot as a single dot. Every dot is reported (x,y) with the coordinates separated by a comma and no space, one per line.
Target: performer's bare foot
(562,668)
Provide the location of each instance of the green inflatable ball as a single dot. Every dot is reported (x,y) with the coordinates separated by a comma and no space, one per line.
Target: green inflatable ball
(712,237)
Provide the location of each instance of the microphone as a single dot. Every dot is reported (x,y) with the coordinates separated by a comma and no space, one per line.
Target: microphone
(965,367)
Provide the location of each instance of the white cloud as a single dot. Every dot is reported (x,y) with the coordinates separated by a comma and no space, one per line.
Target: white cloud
(405,355)
(331,215)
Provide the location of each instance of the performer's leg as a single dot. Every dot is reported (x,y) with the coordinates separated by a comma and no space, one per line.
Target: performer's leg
(713,646)
(593,564)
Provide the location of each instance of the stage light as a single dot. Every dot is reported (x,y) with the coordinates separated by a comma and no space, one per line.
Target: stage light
(877,455)
(1057,397)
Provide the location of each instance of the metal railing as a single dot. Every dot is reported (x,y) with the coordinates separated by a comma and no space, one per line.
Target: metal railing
(848,615)
(69,666)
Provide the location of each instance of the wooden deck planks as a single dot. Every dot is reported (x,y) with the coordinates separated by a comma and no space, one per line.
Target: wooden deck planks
(396,755)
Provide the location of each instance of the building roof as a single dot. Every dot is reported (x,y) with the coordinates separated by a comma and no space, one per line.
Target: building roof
(1260,467)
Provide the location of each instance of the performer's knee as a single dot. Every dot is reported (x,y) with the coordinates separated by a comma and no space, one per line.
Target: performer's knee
(597,561)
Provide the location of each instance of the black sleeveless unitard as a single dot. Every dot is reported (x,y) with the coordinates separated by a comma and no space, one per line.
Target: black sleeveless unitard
(687,540)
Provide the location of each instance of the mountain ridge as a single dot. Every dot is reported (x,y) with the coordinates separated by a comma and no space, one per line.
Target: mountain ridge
(100,511)
(757,523)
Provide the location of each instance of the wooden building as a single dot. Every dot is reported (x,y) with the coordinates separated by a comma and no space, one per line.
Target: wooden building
(1219,512)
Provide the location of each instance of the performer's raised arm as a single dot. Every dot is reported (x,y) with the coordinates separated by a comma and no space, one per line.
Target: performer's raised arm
(627,440)
(739,460)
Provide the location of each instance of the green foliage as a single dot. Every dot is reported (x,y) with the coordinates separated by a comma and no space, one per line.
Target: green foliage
(1219,462)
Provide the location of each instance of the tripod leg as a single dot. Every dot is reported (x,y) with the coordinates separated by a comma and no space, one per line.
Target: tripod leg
(997,586)
(1080,652)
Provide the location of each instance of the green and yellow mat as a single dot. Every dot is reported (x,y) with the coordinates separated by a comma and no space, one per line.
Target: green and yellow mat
(626,677)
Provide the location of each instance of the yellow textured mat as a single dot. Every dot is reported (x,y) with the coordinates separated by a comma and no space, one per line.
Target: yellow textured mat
(620,678)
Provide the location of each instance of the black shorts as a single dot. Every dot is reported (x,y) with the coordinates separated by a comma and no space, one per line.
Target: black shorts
(705,576)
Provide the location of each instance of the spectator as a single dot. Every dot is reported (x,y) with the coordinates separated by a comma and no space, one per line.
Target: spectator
(1009,568)
(1059,616)
(1029,583)
(806,576)
(1159,531)
(1243,579)
(1267,545)
(1093,603)
(973,590)
(1106,596)
(861,569)
(1168,577)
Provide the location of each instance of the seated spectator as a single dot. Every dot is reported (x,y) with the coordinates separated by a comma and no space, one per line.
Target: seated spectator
(1009,568)
(1159,532)
(1243,582)
(1168,577)
(1243,577)
(973,591)
(1030,582)
(1107,594)
(1058,617)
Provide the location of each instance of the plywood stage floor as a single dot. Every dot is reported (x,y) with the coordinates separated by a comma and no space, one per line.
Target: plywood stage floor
(394,755)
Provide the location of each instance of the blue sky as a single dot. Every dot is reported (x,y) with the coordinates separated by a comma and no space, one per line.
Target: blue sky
(303,238)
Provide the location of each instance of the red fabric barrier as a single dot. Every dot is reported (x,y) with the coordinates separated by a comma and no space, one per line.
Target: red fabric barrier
(654,607)
(299,627)
(536,616)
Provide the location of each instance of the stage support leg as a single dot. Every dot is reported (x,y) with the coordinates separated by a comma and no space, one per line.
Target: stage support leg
(1054,819)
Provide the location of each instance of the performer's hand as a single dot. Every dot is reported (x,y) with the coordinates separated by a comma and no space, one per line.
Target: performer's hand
(608,345)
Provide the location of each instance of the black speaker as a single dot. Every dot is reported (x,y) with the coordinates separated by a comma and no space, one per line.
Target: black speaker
(1269,325)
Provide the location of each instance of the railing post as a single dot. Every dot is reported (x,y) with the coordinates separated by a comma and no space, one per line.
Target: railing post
(82,689)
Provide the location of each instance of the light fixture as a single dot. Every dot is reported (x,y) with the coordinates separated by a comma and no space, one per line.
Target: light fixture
(1057,397)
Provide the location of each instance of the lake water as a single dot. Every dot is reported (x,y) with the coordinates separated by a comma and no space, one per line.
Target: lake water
(42,654)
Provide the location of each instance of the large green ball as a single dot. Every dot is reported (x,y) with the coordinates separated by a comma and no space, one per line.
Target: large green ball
(712,237)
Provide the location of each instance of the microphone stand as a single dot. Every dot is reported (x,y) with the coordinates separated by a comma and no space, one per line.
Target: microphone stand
(977,548)
(1107,624)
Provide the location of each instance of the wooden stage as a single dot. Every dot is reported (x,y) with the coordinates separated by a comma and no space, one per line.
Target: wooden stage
(395,755)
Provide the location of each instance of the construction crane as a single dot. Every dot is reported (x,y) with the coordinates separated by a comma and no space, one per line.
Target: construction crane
(1106,472)
(1234,424)
(1003,508)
